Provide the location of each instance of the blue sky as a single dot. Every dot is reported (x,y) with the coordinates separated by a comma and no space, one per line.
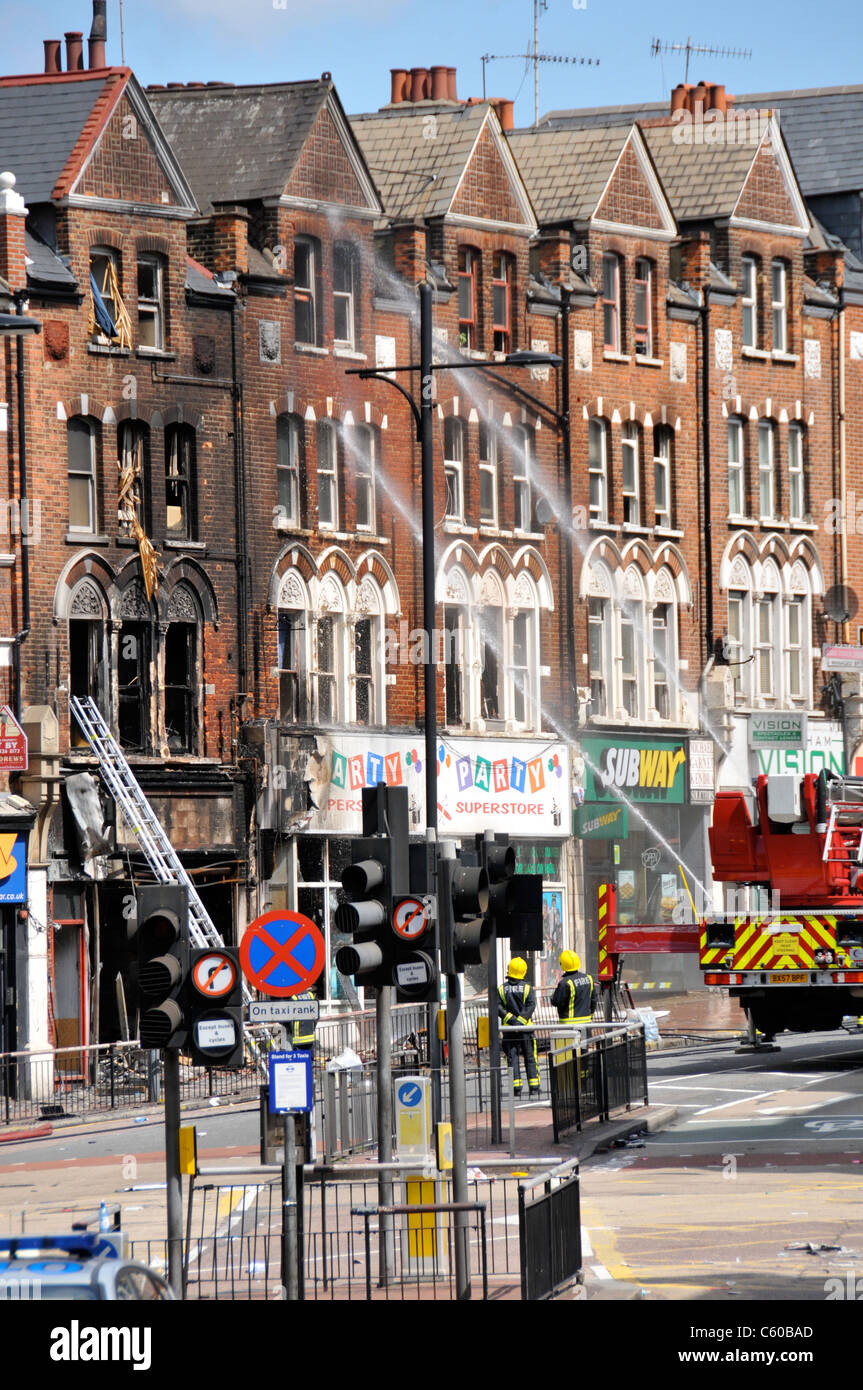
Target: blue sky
(358,41)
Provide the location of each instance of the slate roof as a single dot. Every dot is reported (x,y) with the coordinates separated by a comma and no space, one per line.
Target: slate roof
(44,266)
(238,144)
(700,181)
(418,176)
(566,171)
(202,281)
(822,127)
(41,122)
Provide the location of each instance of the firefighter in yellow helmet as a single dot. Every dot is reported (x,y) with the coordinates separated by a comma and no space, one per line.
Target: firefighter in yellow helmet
(575,995)
(516,1004)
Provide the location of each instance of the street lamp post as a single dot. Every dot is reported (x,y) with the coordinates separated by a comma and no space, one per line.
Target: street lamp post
(423,419)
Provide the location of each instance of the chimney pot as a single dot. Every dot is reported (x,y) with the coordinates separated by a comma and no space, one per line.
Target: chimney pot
(98,35)
(74,51)
(419,81)
(698,93)
(452,93)
(439,84)
(399,89)
(506,114)
(53,60)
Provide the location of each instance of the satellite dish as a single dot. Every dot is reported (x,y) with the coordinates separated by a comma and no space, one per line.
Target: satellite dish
(840,603)
(544,513)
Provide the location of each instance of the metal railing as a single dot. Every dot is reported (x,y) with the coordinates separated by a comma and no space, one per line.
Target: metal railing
(591,1078)
(549,1223)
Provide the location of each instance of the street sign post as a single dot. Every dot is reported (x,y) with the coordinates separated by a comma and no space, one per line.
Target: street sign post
(291,1093)
(842,658)
(282,953)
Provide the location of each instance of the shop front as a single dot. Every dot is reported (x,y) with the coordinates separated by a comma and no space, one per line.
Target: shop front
(313,808)
(642,826)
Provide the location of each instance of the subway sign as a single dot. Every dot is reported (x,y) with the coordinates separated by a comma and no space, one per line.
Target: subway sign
(642,769)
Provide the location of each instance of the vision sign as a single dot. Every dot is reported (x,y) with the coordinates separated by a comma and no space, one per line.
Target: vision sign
(642,769)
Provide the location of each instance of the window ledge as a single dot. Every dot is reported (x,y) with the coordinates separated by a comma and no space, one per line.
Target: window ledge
(458,528)
(367,538)
(743,521)
(7,559)
(105,350)
(494,531)
(529,535)
(803,525)
(760,354)
(281,524)
(351,354)
(594,525)
(649,361)
(791,357)
(312,349)
(161,353)
(610,356)
(630,529)
(668,532)
(176,543)
(85,538)
(772,523)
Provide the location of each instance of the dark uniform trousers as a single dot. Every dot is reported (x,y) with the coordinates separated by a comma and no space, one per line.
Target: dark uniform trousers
(517,1000)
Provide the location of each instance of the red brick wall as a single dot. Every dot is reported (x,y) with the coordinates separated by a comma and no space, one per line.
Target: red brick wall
(628,198)
(124,164)
(485,190)
(324,170)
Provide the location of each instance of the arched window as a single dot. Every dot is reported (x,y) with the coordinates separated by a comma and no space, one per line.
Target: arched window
(797,499)
(368,659)
(469,261)
(768,635)
(523,454)
(88,658)
(151,303)
(181,683)
(180,482)
(289,452)
(453,466)
(81,442)
(736,469)
(501,300)
(766,470)
(662,656)
(134,447)
(307,267)
(328,477)
(456,656)
(599,641)
(631,474)
(328,654)
(597,467)
(663,489)
(491,652)
(294,623)
(631,627)
(524,659)
(643,307)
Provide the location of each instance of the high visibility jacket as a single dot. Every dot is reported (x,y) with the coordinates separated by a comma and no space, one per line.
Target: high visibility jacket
(303,1030)
(575,997)
(516,1002)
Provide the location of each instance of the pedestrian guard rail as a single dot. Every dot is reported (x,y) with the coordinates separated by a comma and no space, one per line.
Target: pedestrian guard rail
(549,1223)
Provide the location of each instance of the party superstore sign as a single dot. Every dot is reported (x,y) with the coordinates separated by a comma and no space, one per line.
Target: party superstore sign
(638,769)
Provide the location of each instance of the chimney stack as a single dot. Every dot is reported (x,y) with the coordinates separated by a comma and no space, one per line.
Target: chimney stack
(74,51)
(53,60)
(98,35)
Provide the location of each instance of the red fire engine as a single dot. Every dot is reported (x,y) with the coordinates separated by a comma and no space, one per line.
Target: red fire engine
(790,944)
(798,964)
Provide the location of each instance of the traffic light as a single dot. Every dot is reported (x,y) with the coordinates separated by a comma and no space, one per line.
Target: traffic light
(465,927)
(497,857)
(366,916)
(215,1007)
(163,963)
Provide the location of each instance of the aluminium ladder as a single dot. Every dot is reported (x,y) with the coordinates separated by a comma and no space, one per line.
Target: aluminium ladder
(146,826)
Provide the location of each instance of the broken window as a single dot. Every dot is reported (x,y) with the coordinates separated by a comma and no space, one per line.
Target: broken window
(180,482)
(181,687)
(86,667)
(134,448)
(291,690)
(363,661)
(109,321)
(133,685)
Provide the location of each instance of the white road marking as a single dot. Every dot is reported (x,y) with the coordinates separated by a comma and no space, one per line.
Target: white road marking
(754,1095)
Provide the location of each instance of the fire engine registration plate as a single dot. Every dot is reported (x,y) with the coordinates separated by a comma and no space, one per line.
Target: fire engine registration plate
(788,979)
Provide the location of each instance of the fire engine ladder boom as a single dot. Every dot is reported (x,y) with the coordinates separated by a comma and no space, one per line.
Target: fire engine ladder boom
(146,826)
(851,809)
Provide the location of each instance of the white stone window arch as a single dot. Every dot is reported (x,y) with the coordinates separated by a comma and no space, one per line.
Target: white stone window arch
(292,647)
(460,704)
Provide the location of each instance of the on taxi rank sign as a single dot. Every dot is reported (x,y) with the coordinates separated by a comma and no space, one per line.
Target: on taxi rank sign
(282,953)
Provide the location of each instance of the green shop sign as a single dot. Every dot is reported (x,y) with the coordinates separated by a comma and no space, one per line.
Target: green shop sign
(601,822)
(641,769)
